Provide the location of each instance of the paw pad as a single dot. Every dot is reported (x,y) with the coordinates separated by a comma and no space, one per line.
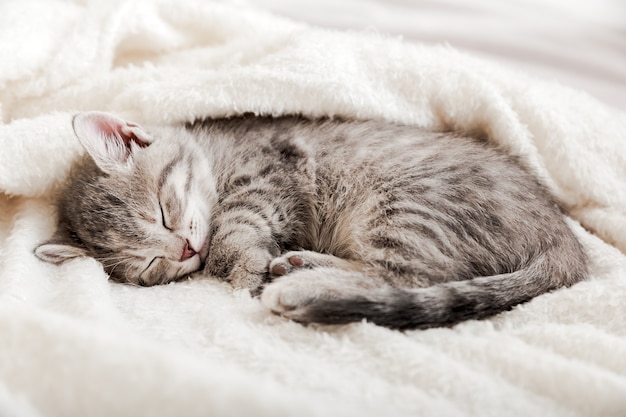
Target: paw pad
(283,266)
(296,261)
(279,270)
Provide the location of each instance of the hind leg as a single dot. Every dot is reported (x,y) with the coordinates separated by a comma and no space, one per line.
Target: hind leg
(317,295)
(302,278)
(304,259)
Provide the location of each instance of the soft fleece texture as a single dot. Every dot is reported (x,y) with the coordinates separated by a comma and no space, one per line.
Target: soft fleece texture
(74,344)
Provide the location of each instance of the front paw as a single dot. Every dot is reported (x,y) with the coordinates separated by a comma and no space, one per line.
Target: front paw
(249,270)
(242,278)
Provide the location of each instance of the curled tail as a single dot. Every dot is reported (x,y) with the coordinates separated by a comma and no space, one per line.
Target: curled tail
(331,296)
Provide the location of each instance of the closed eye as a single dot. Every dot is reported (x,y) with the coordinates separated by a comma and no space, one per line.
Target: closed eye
(150,264)
(163,217)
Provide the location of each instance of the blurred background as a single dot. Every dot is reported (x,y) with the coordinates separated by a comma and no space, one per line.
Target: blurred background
(580,43)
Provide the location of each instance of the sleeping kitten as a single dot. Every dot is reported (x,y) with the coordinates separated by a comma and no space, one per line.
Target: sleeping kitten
(330,221)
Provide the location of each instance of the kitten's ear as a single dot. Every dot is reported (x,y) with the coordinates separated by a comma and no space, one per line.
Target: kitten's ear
(58,249)
(109,140)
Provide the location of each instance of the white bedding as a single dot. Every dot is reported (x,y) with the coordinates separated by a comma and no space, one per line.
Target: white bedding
(74,344)
(579,43)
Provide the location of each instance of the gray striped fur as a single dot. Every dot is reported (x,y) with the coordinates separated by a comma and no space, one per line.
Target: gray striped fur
(330,221)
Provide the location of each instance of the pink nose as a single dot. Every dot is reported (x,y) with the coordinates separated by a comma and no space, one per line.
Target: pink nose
(188,251)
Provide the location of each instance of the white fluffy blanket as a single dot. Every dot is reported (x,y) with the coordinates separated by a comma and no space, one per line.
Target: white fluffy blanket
(74,344)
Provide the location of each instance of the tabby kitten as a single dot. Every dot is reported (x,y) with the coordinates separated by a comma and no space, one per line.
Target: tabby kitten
(330,221)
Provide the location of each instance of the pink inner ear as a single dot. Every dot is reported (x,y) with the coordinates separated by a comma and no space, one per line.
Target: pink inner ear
(123,131)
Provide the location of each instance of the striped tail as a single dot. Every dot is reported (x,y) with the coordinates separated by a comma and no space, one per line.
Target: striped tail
(442,304)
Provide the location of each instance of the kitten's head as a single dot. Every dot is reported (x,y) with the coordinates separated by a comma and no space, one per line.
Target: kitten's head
(138,202)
